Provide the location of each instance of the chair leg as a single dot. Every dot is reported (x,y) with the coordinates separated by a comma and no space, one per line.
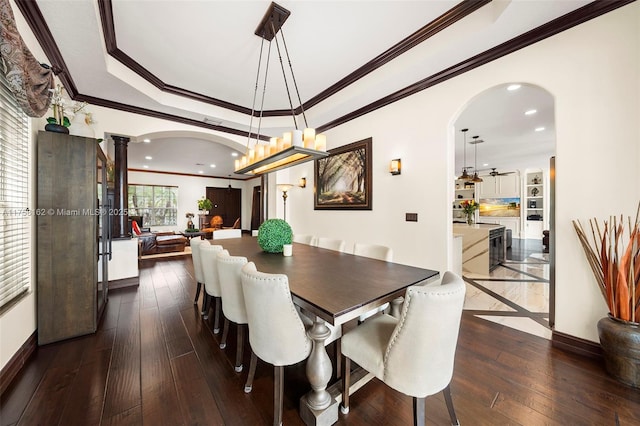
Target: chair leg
(216,318)
(225,332)
(418,411)
(239,347)
(346,383)
(252,372)
(338,357)
(447,399)
(198,286)
(205,305)
(278,394)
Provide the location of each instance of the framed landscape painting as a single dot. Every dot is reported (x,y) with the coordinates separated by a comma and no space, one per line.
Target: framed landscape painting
(343,179)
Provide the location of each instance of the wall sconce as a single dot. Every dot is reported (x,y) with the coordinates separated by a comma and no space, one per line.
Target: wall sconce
(395,167)
(302,183)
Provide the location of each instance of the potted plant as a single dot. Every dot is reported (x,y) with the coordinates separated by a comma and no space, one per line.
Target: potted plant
(204,205)
(273,234)
(615,261)
(469,207)
(59,123)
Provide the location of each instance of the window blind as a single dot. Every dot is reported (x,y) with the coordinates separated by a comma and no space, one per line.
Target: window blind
(15,217)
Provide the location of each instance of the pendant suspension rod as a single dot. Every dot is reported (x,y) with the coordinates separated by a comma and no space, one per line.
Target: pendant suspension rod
(286,84)
(255,95)
(475,161)
(465,152)
(464,164)
(293,77)
(475,155)
(264,91)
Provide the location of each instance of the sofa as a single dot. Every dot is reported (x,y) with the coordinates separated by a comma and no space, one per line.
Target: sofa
(160,242)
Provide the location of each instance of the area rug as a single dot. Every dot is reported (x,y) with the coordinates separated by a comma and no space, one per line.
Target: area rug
(186,252)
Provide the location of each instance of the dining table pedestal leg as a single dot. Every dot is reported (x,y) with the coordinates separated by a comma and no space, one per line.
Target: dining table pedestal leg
(317,407)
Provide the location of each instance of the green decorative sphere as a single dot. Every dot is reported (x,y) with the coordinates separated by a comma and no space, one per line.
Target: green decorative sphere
(272,234)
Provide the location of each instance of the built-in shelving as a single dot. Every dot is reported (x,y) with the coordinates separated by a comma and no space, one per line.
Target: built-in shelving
(534,204)
(464,191)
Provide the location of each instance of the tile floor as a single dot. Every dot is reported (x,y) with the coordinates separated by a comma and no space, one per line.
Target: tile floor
(516,293)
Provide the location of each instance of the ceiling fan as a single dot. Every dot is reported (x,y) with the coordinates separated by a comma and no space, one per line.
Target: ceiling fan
(494,172)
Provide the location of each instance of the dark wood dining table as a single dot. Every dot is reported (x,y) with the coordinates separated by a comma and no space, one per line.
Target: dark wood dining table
(336,287)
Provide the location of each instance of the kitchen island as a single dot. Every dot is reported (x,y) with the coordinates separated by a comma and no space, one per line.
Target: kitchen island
(482,246)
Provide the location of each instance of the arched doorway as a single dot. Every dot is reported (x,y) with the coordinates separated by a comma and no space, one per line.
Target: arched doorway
(509,142)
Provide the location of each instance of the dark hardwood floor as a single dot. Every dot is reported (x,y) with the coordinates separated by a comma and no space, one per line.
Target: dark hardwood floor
(154,361)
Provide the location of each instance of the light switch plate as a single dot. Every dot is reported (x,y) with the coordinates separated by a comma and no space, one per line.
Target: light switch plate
(411,217)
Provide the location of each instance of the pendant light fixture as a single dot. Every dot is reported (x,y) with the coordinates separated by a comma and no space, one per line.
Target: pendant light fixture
(464,175)
(294,147)
(475,143)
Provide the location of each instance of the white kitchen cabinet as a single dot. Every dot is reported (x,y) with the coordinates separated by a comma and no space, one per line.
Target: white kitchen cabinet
(509,185)
(533,229)
(512,223)
(499,186)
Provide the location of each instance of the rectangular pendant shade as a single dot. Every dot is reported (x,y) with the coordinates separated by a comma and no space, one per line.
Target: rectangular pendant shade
(291,156)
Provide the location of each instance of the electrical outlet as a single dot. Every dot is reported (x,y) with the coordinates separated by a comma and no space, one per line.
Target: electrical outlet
(411,217)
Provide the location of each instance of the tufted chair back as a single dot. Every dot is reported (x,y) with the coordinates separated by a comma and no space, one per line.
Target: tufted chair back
(373,251)
(195,244)
(419,357)
(276,332)
(229,269)
(304,239)
(208,255)
(330,243)
(413,354)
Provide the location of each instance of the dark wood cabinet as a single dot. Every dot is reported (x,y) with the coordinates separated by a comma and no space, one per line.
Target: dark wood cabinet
(71,247)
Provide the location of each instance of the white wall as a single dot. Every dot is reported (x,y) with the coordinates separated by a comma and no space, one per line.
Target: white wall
(190,189)
(593,73)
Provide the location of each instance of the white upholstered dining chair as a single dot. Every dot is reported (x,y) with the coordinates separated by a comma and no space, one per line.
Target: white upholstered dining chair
(208,255)
(276,332)
(223,234)
(415,353)
(379,252)
(233,306)
(330,243)
(304,239)
(197,265)
(373,251)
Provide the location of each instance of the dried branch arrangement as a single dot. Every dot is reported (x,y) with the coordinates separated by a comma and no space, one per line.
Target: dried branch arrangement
(615,262)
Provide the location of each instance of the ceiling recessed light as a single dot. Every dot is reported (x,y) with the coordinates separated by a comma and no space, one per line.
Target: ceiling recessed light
(145,167)
(530,112)
(513,87)
(146,140)
(485,164)
(539,129)
(148,157)
(200,171)
(234,154)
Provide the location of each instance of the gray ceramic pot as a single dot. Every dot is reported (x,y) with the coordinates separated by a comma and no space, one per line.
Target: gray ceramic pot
(620,341)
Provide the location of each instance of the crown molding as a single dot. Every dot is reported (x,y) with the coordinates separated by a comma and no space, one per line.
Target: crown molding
(40,29)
